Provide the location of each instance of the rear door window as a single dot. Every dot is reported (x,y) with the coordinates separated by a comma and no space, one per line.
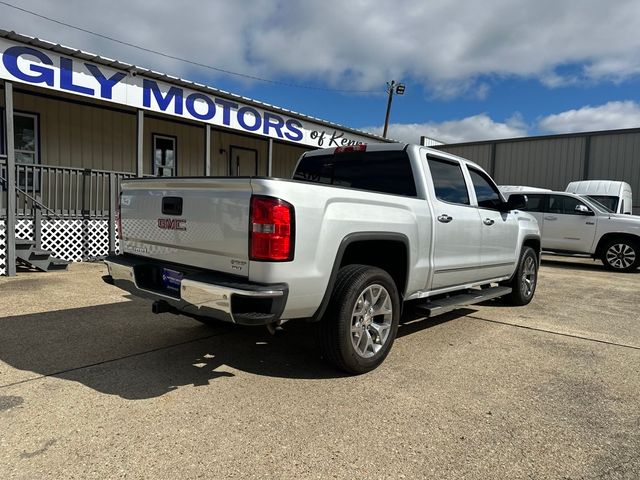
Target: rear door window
(535,202)
(448,181)
(381,171)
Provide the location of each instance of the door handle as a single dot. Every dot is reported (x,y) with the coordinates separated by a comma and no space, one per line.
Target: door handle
(488,221)
(550,218)
(444,218)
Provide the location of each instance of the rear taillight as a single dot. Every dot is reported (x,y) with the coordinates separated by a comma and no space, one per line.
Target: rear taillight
(272,229)
(118,219)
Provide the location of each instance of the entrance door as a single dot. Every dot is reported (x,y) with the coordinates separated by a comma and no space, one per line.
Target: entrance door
(243,162)
(164,156)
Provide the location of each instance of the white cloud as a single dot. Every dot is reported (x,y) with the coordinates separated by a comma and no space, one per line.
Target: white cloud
(612,115)
(447,45)
(469,129)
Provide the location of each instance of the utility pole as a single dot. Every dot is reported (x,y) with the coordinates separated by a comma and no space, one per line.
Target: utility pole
(392,88)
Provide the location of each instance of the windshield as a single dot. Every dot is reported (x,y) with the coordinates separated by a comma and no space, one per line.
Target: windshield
(607,201)
(596,205)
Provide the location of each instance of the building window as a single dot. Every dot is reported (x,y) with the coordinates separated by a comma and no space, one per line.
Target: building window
(26,138)
(164,156)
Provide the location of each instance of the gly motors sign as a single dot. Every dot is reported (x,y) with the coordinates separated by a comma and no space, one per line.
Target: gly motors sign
(25,64)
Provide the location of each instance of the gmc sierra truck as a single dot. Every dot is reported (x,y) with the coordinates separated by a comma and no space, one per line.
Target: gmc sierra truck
(357,234)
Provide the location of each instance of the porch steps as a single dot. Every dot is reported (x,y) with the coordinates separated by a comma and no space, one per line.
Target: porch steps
(28,254)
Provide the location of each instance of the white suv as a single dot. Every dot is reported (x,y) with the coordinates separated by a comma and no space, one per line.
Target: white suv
(572,224)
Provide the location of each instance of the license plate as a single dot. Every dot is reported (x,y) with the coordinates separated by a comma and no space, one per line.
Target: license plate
(171,280)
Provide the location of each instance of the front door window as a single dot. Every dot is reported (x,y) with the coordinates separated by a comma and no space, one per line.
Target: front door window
(164,156)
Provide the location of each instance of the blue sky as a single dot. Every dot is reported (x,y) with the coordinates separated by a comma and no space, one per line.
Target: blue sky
(474,70)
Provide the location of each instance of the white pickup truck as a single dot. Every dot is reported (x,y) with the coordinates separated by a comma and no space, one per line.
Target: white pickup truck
(356,234)
(574,224)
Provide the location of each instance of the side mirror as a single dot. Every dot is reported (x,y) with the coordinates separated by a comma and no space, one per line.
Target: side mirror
(517,201)
(583,210)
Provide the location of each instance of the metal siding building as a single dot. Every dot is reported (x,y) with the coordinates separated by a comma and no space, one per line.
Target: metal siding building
(555,160)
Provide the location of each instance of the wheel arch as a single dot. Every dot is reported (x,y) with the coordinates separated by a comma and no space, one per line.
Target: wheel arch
(607,237)
(356,248)
(534,242)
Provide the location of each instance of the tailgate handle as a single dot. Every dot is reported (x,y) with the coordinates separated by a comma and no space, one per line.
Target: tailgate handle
(172,205)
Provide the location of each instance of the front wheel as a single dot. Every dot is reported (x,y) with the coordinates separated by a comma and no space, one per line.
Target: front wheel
(524,281)
(621,255)
(361,323)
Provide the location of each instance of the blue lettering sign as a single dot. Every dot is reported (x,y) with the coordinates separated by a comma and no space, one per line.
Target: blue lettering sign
(106,84)
(258,121)
(66,78)
(191,106)
(295,127)
(226,110)
(271,120)
(10,61)
(174,94)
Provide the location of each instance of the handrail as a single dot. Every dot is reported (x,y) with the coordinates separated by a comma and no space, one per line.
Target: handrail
(64,192)
(71,169)
(34,200)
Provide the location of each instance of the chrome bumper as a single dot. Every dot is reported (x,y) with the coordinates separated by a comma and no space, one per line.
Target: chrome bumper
(204,294)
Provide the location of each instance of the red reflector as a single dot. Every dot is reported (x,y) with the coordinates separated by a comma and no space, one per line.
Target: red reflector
(271,229)
(352,148)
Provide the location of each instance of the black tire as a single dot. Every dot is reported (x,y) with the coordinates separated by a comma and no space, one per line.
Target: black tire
(525,280)
(621,255)
(335,327)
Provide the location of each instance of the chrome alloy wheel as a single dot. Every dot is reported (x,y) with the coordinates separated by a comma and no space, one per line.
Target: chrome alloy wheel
(620,255)
(371,320)
(528,279)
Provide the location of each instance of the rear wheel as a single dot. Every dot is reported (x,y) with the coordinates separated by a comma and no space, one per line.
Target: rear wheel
(525,280)
(621,255)
(361,323)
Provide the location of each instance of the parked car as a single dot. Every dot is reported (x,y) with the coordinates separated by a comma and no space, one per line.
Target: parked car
(358,233)
(616,196)
(579,225)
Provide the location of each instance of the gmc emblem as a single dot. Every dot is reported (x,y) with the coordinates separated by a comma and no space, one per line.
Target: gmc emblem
(172,224)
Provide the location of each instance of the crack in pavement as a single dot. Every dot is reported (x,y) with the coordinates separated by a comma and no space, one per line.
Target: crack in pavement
(542,330)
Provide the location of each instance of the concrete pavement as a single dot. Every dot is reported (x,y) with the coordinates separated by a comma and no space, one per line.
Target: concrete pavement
(92,385)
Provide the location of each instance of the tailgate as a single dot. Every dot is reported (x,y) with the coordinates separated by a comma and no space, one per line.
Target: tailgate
(200,222)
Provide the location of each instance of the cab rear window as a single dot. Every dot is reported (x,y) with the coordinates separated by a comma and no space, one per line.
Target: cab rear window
(383,172)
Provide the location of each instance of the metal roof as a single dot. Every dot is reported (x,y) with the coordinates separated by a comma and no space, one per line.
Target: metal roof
(91,57)
(591,133)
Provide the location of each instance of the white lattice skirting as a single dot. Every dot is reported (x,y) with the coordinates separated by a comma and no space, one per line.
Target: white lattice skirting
(71,240)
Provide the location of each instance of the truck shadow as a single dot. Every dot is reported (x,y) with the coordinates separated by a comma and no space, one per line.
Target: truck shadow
(593,265)
(122,349)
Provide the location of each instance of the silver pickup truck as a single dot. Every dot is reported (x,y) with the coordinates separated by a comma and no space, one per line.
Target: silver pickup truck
(359,233)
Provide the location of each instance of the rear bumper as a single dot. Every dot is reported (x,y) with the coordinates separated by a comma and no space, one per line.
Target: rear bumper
(201,293)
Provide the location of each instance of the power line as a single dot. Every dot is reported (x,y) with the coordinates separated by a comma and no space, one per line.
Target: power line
(185,60)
